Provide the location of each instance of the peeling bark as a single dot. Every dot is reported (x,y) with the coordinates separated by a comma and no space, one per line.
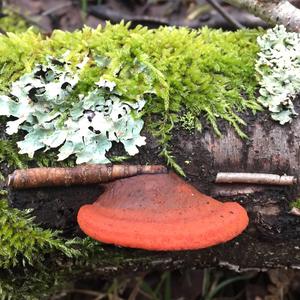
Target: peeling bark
(273,12)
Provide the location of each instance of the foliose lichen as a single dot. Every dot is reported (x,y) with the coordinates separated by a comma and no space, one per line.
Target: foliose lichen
(82,125)
(278,66)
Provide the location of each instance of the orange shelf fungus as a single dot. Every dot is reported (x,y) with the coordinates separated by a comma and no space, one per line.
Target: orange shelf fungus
(160,212)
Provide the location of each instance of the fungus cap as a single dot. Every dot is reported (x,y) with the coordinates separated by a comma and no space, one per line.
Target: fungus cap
(160,212)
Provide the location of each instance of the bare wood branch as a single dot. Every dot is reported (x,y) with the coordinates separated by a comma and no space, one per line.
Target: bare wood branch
(83,174)
(255,178)
(295,211)
(273,12)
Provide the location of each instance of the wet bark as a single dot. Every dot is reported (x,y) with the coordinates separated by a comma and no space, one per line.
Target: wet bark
(272,238)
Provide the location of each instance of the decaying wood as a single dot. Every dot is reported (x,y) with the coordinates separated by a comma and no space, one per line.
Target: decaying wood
(255,178)
(84,174)
(271,240)
(273,12)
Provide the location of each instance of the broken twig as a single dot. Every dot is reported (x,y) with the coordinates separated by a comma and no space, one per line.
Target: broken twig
(295,211)
(225,14)
(84,174)
(255,178)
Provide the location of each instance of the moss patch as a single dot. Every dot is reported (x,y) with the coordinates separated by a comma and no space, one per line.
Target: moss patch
(204,72)
(23,242)
(295,203)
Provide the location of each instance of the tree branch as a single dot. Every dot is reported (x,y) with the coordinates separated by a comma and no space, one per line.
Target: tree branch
(273,12)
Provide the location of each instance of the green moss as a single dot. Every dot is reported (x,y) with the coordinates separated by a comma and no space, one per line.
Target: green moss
(23,242)
(203,72)
(39,282)
(189,122)
(10,156)
(295,203)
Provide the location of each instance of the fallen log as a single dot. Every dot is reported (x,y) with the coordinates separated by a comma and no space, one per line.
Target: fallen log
(273,236)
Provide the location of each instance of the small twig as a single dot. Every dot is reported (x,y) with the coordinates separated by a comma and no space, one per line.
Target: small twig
(135,291)
(255,178)
(82,174)
(96,294)
(295,211)
(51,10)
(224,13)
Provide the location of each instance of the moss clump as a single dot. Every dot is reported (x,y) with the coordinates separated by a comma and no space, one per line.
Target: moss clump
(201,72)
(59,272)
(189,122)
(23,242)
(295,204)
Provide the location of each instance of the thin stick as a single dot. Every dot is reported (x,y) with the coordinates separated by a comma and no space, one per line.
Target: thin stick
(84,174)
(225,14)
(56,8)
(295,211)
(255,178)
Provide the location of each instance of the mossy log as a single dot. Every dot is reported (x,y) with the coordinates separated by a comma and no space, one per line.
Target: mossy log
(271,240)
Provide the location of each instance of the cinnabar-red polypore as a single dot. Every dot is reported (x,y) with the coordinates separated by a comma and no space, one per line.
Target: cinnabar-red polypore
(160,212)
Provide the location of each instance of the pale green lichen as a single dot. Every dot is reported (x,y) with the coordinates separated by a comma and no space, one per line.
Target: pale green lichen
(83,125)
(279,68)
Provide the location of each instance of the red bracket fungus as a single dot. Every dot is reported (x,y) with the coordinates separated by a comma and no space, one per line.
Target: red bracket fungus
(160,212)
